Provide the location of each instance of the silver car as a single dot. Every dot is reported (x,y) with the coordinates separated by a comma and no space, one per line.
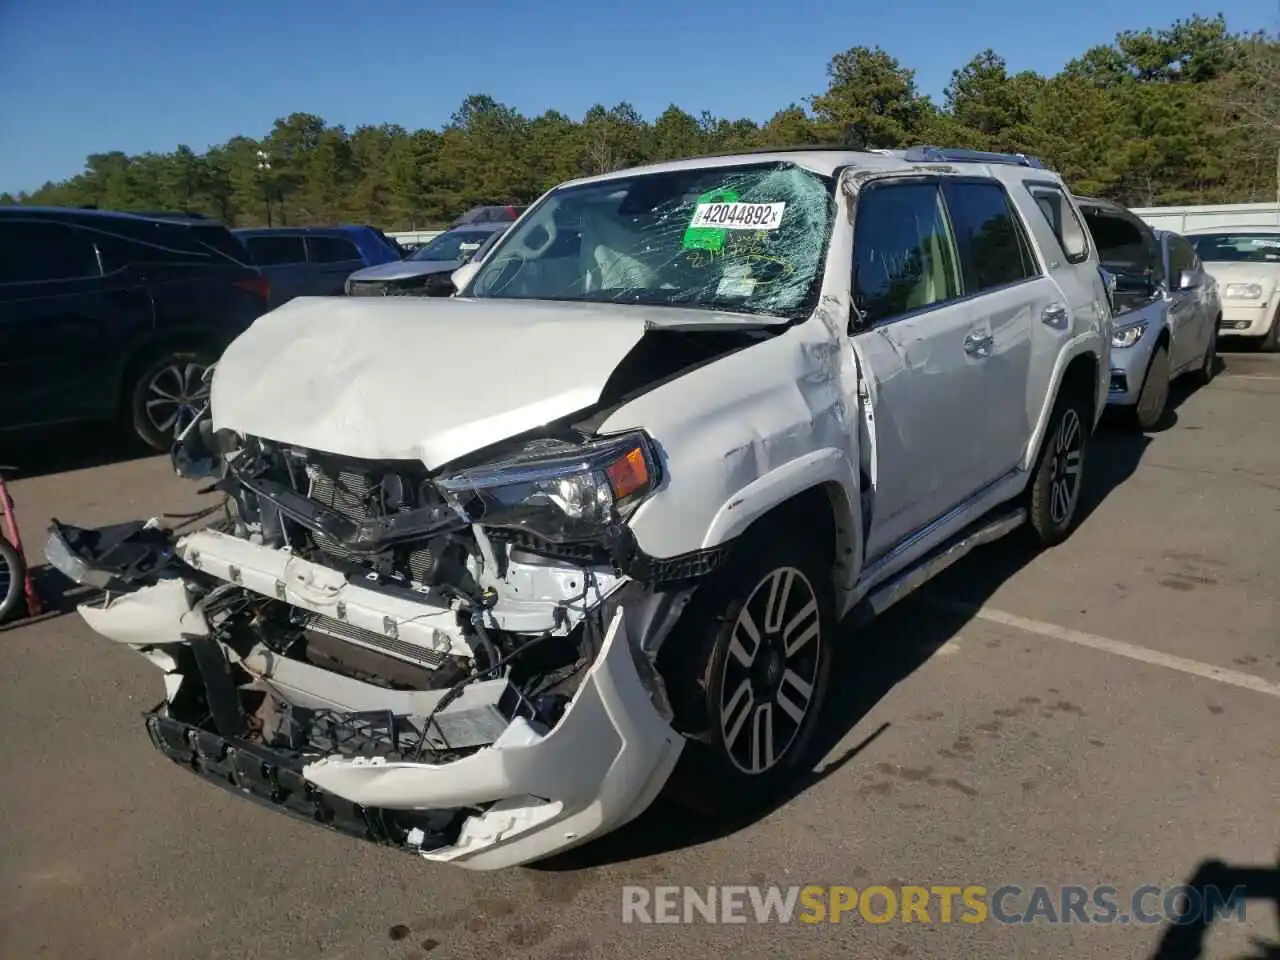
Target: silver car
(1167,309)
(426,271)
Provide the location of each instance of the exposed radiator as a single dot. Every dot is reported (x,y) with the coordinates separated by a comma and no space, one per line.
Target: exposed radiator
(393,646)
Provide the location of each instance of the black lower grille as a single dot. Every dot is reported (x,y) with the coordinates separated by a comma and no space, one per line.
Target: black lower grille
(274,778)
(367,288)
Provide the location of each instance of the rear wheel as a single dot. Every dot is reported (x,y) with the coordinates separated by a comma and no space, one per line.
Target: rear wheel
(1054,495)
(13,578)
(760,639)
(167,393)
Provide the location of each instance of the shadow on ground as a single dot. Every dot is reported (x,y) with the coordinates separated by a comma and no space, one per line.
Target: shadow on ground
(872,660)
(60,449)
(1215,882)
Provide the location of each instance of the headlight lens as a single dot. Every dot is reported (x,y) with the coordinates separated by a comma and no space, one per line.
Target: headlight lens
(1128,336)
(1244,291)
(559,491)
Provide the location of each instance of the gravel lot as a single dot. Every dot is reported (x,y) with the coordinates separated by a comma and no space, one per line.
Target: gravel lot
(1106,713)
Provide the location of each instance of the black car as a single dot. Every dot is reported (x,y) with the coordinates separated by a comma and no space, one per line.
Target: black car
(107,316)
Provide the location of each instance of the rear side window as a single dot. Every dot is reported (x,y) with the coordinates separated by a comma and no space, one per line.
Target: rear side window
(1057,209)
(992,246)
(31,252)
(276,251)
(222,240)
(904,253)
(331,250)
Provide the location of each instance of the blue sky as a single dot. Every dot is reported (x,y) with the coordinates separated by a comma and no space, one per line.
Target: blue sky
(83,76)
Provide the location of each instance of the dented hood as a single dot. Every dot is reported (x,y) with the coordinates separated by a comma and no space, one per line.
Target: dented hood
(423,379)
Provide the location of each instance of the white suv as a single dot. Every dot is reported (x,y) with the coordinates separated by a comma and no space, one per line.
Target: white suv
(497,564)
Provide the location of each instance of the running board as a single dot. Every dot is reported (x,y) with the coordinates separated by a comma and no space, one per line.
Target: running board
(908,581)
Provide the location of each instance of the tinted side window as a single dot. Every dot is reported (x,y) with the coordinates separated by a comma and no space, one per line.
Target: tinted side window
(992,246)
(332,250)
(31,252)
(904,253)
(276,251)
(1182,256)
(1057,209)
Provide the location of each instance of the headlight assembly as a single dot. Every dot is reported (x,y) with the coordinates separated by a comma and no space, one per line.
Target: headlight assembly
(1243,291)
(1127,336)
(559,491)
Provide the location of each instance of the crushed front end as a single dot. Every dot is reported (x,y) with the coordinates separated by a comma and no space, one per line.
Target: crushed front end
(460,664)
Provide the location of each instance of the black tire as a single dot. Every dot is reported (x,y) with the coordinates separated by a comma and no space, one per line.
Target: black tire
(736,696)
(1208,367)
(13,581)
(176,372)
(1271,342)
(1053,497)
(1153,399)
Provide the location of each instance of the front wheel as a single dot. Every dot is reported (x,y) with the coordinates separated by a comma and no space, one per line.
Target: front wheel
(1054,495)
(1204,373)
(167,394)
(760,641)
(13,580)
(1154,396)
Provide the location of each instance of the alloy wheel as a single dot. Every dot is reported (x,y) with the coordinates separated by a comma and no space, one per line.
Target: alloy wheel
(174,395)
(1064,466)
(771,670)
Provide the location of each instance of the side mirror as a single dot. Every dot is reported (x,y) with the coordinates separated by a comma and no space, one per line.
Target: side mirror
(462,276)
(1189,279)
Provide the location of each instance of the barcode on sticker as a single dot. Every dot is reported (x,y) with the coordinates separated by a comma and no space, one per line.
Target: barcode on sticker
(738,216)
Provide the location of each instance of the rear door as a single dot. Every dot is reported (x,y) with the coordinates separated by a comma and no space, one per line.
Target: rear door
(59,326)
(1016,298)
(332,259)
(282,257)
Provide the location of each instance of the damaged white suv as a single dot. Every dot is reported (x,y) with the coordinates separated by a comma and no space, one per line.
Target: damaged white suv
(493,565)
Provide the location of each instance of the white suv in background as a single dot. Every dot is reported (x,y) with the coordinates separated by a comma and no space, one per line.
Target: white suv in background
(501,566)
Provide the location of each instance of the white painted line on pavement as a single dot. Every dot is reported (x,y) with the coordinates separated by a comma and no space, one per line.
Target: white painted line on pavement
(1250,376)
(1119,648)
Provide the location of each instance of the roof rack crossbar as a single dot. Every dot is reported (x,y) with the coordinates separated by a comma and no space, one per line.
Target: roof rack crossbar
(931,154)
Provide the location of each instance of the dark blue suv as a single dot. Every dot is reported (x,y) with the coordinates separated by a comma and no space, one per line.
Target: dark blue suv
(314,261)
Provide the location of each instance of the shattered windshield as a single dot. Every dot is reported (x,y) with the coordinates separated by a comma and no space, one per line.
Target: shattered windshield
(747,239)
(1238,247)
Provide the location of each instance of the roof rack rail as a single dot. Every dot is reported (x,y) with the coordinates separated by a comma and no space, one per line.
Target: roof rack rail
(931,154)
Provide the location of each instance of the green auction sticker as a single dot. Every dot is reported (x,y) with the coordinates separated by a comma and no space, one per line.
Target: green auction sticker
(708,238)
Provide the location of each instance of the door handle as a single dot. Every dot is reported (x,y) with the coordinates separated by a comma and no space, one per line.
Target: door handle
(1054,315)
(978,344)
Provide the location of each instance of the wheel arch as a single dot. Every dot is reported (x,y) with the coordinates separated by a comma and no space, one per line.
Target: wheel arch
(1080,373)
(818,492)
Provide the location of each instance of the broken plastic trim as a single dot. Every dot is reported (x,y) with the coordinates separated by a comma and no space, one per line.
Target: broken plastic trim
(367,535)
